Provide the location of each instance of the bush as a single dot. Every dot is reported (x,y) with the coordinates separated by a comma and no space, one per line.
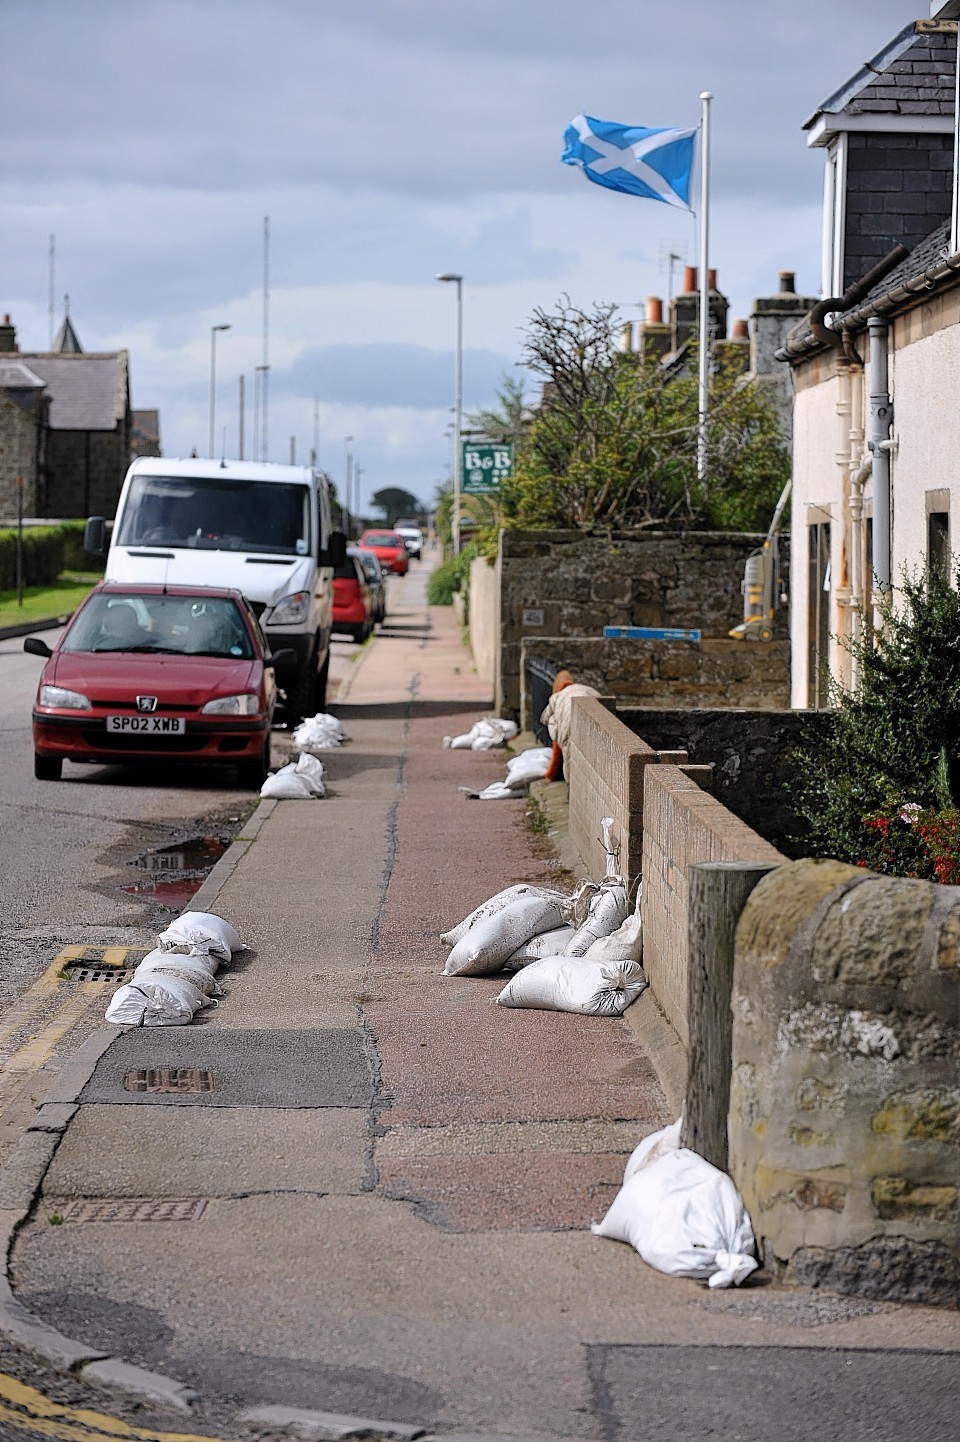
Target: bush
(882,790)
(452,576)
(47,550)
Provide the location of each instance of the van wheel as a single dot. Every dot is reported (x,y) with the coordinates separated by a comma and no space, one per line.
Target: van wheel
(302,698)
(47,768)
(323,675)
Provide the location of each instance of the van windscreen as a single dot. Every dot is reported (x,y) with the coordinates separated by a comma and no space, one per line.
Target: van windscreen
(211,514)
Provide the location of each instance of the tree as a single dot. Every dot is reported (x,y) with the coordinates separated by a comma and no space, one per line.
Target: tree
(882,790)
(395,502)
(614,440)
(509,418)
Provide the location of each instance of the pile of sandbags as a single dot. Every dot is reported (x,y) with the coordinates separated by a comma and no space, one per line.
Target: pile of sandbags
(178,978)
(299,780)
(318,733)
(579,952)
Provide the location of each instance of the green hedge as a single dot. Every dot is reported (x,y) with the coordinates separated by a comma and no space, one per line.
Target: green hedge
(47,550)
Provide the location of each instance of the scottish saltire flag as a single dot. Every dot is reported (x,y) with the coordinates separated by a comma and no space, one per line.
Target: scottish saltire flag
(636,159)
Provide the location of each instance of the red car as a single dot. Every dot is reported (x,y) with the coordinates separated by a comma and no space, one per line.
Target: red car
(144,673)
(390,549)
(352,602)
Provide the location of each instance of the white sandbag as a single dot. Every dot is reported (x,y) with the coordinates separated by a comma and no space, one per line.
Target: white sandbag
(297,781)
(528,766)
(195,967)
(667,1139)
(568,983)
(546,943)
(496,791)
(624,944)
(492,905)
(151,1004)
(318,733)
(685,1218)
(483,735)
(488,943)
(201,931)
(608,911)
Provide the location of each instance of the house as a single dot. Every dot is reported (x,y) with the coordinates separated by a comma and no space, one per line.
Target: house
(876,363)
(65,426)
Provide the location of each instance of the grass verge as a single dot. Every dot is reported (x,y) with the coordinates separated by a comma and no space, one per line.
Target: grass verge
(40,602)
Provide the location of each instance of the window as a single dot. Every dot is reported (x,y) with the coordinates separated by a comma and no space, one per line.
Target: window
(938,543)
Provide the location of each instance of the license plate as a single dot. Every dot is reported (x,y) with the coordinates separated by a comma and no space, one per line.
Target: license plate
(147,725)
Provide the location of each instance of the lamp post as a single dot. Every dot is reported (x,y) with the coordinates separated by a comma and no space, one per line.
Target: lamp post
(213,381)
(458,408)
(348,481)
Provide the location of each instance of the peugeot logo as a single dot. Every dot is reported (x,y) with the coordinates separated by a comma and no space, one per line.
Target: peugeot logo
(146,703)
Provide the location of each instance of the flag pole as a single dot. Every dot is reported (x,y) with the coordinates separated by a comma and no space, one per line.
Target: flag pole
(704,326)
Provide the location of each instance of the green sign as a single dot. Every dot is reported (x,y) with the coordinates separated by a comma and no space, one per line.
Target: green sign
(485,465)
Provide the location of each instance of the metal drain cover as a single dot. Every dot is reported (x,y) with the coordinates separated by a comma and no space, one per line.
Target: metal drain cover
(137,1209)
(86,973)
(170,1079)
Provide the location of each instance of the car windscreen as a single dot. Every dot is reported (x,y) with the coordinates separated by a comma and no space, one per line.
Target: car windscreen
(214,514)
(383,538)
(154,621)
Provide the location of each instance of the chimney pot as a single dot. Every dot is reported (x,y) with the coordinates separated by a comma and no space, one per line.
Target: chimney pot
(741,331)
(654,310)
(711,279)
(626,337)
(6,318)
(788,282)
(689,279)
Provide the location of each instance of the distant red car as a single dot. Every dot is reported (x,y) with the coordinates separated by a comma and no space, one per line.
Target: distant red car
(144,673)
(352,602)
(390,549)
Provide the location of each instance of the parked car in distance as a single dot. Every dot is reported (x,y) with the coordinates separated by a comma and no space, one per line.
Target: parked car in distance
(149,673)
(352,601)
(389,548)
(412,537)
(376,580)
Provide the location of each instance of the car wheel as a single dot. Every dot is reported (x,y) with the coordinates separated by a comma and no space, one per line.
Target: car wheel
(47,768)
(252,774)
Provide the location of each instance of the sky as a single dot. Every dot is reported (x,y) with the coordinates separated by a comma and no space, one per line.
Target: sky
(387,141)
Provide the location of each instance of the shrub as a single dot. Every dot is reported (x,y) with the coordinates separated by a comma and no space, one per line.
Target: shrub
(47,550)
(450,577)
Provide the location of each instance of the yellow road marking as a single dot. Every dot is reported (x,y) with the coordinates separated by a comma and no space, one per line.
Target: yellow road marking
(30,1411)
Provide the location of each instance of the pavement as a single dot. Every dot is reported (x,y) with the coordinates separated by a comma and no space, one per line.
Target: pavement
(372,1217)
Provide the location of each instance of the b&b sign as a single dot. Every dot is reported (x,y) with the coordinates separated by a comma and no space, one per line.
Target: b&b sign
(485,466)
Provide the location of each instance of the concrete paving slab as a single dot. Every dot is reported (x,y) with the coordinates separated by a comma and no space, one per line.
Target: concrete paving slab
(493,1138)
(138,1382)
(112,1151)
(306,1068)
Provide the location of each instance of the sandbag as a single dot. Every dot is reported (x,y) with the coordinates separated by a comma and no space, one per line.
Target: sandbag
(318,733)
(624,944)
(488,943)
(530,765)
(297,781)
(201,931)
(492,905)
(607,913)
(683,1217)
(173,1003)
(197,968)
(483,735)
(569,983)
(667,1139)
(545,943)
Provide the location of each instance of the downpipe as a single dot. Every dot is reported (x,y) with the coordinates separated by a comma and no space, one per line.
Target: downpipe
(881,420)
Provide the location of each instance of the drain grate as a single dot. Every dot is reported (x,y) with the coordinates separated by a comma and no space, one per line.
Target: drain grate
(87,973)
(135,1209)
(170,1079)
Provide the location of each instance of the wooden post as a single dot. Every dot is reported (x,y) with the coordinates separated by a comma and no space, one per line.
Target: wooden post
(718,893)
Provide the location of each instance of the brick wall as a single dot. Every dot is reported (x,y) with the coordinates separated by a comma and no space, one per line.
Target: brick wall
(605,772)
(690,675)
(681,825)
(565,583)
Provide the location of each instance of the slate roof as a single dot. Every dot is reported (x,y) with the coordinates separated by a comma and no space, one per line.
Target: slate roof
(15,376)
(88,392)
(935,247)
(67,340)
(912,75)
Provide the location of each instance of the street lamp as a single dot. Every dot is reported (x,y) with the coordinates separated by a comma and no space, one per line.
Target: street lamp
(347,483)
(213,380)
(458,408)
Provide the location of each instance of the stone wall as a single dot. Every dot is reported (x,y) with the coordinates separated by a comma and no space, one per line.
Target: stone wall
(844,1121)
(750,752)
(20,436)
(566,583)
(85,471)
(694,674)
(682,824)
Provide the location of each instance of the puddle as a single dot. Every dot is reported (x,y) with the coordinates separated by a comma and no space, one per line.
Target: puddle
(178,871)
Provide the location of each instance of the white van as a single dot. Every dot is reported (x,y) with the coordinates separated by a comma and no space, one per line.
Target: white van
(262,528)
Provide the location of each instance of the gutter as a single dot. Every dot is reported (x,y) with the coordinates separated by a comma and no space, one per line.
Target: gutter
(820,335)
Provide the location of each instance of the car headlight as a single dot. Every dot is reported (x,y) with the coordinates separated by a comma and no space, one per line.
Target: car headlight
(292,610)
(64,699)
(246,705)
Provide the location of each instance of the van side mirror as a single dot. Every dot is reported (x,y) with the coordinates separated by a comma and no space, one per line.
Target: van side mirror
(95,536)
(336,553)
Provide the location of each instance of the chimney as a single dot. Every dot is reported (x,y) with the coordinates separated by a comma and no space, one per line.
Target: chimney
(741,331)
(8,337)
(626,338)
(788,283)
(653,334)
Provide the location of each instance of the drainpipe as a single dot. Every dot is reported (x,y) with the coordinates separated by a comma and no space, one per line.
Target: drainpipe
(881,419)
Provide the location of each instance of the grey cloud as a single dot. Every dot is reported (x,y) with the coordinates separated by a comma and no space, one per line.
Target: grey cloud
(397,374)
